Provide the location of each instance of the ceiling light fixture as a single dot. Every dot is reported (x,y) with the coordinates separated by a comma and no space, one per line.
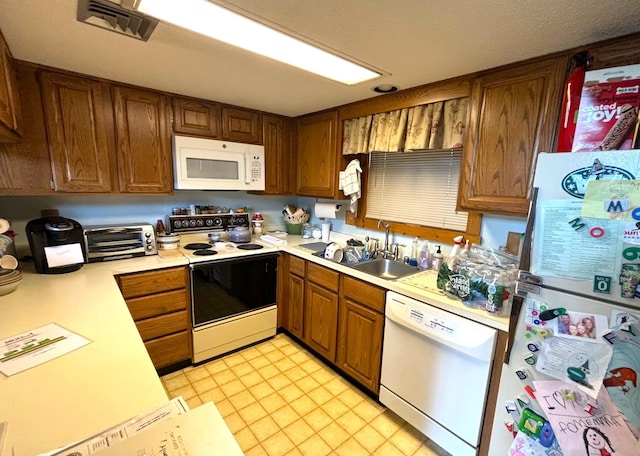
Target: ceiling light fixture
(384,88)
(212,20)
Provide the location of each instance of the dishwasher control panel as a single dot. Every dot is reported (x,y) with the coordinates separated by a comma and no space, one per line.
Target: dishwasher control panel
(432,321)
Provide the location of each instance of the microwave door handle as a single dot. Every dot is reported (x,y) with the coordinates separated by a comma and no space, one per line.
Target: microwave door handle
(246,170)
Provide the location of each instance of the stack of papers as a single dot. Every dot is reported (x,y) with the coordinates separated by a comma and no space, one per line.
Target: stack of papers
(273,240)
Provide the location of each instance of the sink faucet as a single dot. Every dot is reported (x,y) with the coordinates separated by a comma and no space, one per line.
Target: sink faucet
(386,251)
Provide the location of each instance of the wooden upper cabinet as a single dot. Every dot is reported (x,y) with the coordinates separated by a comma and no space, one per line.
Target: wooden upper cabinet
(317,155)
(10,110)
(241,125)
(617,52)
(142,141)
(513,116)
(79,120)
(196,117)
(279,159)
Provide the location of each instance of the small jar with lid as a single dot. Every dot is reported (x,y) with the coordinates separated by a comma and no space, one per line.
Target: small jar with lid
(257,221)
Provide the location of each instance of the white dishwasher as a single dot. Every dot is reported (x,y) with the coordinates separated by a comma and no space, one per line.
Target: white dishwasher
(435,372)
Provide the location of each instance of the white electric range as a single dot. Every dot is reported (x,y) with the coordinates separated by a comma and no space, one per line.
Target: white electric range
(233,285)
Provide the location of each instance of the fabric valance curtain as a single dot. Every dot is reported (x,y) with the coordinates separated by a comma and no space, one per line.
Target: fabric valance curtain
(438,125)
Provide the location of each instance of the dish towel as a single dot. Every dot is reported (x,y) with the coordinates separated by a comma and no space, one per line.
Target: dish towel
(350,183)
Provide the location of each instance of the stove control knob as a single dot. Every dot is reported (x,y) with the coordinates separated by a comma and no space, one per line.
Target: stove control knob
(200,222)
(209,222)
(185,223)
(176,224)
(192,223)
(217,221)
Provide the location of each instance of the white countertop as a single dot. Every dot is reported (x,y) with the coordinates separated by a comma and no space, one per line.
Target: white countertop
(92,388)
(436,299)
(112,378)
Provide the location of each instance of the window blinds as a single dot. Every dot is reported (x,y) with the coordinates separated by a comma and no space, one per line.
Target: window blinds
(419,187)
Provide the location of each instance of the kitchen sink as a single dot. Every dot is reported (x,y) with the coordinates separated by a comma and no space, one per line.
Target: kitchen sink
(385,268)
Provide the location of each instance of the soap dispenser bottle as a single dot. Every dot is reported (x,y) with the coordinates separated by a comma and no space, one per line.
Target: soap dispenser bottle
(424,260)
(438,259)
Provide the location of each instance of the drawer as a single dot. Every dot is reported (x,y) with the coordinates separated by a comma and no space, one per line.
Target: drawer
(169,350)
(150,282)
(296,265)
(163,325)
(323,276)
(363,293)
(157,304)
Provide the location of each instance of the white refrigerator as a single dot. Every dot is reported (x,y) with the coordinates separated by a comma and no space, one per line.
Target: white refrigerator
(584,236)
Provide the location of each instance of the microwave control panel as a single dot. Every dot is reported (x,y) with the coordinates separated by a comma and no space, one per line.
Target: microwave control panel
(255,169)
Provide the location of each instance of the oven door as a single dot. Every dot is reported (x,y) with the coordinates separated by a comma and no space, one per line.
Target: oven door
(228,288)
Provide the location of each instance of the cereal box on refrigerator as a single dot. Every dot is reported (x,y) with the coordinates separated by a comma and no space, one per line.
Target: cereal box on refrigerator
(608,114)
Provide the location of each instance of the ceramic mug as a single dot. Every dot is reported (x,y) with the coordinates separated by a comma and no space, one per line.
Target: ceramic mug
(333,252)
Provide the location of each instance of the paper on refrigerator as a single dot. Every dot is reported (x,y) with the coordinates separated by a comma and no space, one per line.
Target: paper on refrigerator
(565,246)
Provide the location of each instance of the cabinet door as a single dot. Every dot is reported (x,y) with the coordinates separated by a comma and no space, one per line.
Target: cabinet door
(295,305)
(514,114)
(321,320)
(613,53)
(10,111)
(143,144)
(317,155)
(79,120)
(25,167)
(279,162)
(192,117)
(360,344)
(241,125)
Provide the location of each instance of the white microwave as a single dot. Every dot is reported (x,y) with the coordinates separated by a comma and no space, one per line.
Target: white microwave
(207,164)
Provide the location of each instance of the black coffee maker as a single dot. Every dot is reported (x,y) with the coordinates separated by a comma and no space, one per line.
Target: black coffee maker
(57,244)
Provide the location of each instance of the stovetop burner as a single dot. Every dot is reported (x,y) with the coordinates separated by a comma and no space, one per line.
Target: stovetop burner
(197,246)
(203,252)
(249,246)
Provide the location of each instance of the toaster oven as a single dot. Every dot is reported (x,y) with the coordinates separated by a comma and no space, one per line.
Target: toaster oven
(116,242)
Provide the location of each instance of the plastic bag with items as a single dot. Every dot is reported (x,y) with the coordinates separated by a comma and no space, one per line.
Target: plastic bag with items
(480,278)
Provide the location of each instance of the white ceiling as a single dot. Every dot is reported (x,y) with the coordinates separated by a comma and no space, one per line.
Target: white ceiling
(413,41)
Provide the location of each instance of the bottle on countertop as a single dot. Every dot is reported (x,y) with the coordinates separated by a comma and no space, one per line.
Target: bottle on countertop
(413,259)
(424,262)
(457,248)
(438,259)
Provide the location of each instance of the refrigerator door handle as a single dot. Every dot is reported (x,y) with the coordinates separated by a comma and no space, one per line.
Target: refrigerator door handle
(516,307)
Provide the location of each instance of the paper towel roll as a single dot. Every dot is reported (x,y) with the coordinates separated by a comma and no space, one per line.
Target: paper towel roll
(326,210)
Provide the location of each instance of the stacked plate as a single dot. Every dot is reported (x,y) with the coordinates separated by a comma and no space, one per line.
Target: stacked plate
(9,281)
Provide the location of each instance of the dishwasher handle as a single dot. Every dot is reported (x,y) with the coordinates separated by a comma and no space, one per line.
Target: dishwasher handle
(456,333)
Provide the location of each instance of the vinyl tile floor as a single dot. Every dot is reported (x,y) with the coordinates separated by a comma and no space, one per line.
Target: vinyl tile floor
(279,399)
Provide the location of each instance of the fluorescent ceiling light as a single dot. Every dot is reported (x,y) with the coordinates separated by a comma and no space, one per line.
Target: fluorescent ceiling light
(212,20)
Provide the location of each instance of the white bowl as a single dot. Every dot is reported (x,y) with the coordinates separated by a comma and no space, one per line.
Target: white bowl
(9,287)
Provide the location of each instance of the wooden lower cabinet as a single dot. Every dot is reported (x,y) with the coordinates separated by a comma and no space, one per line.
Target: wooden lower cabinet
(361,323)
(339,317)
(321,320)
(294,315)
(159,304)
